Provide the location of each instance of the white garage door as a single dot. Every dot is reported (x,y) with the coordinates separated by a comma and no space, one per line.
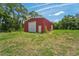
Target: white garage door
(32,26)
(51,27)
(39,28)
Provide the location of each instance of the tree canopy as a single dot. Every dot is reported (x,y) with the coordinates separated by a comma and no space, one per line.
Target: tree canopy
(12,16)
(68,22)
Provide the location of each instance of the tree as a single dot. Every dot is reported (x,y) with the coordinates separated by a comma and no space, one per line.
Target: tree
(34,14)
(68,22)
(11,16)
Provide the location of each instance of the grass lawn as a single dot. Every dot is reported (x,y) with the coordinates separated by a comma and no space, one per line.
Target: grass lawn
(57,42)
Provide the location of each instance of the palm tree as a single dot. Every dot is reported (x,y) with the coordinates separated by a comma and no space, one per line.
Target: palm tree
(33,14)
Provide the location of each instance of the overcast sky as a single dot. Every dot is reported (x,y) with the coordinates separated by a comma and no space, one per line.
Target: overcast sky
(54,11)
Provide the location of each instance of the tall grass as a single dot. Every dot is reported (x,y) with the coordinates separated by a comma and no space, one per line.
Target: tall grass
(56,42)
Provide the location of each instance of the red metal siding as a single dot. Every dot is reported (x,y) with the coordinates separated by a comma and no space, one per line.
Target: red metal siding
(26,26)
(47,24)
(39,21)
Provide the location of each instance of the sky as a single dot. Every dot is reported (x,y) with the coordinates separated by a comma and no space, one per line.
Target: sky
(53,11)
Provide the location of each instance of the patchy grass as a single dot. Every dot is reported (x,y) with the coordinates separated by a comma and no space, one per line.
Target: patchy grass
(57,42)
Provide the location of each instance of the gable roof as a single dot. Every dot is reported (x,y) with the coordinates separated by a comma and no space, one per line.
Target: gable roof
(38,19)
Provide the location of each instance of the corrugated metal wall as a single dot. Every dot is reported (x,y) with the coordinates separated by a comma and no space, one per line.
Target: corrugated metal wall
(39,22)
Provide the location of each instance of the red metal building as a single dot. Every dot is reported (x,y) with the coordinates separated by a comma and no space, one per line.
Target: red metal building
(37,25)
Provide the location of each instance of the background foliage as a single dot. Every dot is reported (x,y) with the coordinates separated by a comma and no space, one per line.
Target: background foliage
(68,22)
(12,16)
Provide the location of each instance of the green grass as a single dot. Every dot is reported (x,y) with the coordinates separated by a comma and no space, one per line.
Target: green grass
(56,42)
